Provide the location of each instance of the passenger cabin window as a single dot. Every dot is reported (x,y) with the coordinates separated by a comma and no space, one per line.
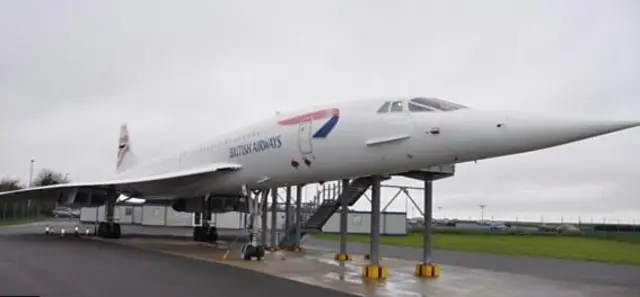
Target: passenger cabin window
(397,106)
(437,104)
(384,108)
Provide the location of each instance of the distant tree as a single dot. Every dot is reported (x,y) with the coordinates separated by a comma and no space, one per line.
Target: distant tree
(10,184)
(48,177)
(7,208)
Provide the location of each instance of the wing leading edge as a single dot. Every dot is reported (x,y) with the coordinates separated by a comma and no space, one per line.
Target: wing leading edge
(139,187)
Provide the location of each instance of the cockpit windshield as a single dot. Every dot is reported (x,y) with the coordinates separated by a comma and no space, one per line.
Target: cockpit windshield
(419,104)
(434,103)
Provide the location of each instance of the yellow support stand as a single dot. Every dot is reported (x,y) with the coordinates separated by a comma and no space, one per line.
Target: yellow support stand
(375,272)
(427,270)
(342,257)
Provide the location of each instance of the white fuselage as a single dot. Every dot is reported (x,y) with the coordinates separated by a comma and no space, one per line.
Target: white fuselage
(365,142)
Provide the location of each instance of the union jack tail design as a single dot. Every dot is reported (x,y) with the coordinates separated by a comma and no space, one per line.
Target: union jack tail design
(125,159)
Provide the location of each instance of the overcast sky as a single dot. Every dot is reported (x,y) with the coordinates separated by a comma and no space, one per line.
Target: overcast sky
(178,72)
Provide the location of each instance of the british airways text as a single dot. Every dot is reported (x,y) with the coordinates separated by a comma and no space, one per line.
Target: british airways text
(257,146)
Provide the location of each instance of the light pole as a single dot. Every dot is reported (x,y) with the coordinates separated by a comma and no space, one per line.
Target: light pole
(30,181)
(440,211)
(31,173)
(482,206)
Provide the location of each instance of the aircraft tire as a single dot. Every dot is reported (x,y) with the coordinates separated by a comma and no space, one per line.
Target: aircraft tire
(116,230)
(199,234)
(260,252)
(254,252)
(213,235)
(249,252)
(106,230)
(102,230)
(196,233)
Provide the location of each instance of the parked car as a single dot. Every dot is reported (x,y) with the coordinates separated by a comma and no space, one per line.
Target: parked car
(566,228)
(445,222)
(451,222)
(546,228)
(66,212)
(498,227)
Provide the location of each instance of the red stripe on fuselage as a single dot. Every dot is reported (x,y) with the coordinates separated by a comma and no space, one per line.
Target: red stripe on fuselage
(316,115)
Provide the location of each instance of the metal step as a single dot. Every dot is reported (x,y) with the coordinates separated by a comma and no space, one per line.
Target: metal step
(352,193)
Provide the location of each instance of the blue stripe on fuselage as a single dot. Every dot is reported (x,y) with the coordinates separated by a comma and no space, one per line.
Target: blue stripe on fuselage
(324,131)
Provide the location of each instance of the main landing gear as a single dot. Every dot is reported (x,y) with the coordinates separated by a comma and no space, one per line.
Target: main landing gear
(253,249)
(109,230)
(205,233)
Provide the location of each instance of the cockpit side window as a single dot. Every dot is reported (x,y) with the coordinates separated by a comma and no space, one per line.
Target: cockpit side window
(438,104)
(413,107)
(397,106)
(384,108)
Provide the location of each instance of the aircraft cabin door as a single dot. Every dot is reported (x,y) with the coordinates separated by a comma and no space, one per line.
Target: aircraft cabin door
(304,136)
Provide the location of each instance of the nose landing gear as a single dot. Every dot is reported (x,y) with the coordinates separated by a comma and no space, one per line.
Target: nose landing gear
(254,249)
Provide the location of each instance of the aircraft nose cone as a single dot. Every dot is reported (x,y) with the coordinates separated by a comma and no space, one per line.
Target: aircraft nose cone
(581,129)
(495,134)
(542,132)
(620,125)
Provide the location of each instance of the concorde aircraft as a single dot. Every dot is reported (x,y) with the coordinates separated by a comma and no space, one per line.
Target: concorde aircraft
(337,141)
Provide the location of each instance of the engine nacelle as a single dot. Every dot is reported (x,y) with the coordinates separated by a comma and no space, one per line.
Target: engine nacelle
(76,199)
(219,204)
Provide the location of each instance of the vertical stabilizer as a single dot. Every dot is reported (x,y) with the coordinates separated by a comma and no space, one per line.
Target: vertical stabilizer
(126,159)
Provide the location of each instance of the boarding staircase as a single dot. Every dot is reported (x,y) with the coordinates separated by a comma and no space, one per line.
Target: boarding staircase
(356,189)
(327,208)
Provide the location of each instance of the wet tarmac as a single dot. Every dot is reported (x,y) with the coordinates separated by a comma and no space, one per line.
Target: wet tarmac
(553,269)
(34,264)
(316,267)
(494,275)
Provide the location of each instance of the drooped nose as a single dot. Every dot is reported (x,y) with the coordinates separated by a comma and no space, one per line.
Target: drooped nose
(528,133)
(481,135)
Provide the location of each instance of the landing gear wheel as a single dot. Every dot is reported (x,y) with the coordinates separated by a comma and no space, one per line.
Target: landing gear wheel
(199,234)
(250,252)
(260,252)
(107,230)
(116,230)
(213,235)
(102,230)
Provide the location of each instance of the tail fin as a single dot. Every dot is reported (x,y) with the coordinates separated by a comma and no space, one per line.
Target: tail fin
(126,159)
